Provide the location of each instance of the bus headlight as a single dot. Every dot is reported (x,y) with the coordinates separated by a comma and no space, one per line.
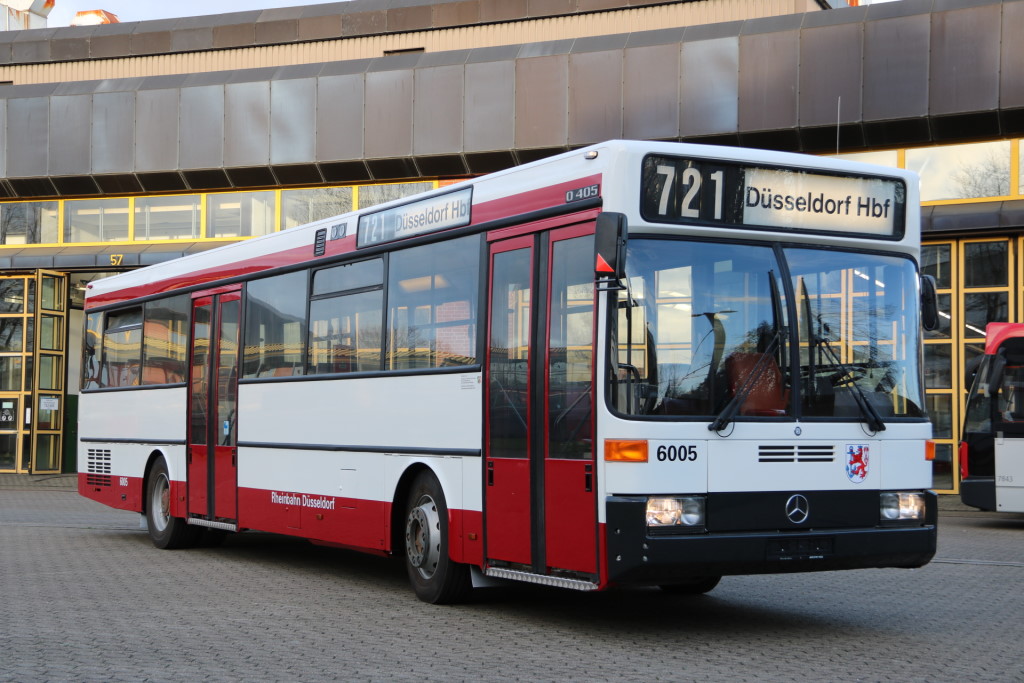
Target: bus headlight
(899,506)
(684,514)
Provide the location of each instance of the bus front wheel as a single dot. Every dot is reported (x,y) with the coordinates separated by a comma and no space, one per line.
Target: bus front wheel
(434,576)
(167,532)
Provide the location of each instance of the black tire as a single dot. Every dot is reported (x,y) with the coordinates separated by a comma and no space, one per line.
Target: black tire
(696,586)
(166,531)
(434,576)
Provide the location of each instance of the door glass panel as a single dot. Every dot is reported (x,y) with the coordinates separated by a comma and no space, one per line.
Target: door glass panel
(50,372)
(571,349)
(509,354)
(12,295)
(47,452)
(938,366)
(942,467)
(8,450)
(986,264)
(51,298)
(10,334)
(50,333)
(982,309)
(940,410)
(935,261)
(10,373)
(945,328)
(227,373)
(200,355)
(48,416)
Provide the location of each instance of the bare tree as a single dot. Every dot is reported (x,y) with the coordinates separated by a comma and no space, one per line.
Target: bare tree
(989,177)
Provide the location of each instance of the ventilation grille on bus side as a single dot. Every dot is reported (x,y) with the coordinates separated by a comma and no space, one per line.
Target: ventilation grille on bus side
(98,467)
(796,453)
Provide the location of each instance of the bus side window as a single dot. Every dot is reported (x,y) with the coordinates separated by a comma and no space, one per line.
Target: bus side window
(432,305)
(92,352)
(275,326)
(164,347)
(122,348)
(346,317)
(1011,399)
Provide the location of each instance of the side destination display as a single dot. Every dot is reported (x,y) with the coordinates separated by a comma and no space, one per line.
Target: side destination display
(679,190)
(437,213)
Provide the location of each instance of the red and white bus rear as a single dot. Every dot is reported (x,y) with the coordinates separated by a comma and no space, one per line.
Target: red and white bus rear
(992,445)
(631,364)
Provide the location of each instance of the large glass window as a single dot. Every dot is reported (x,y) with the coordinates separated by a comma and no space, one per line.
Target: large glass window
(962,171)
(701,323)
(165,342)
(704,330)
(167,218)
(346,317)
(432,305)
(96,220)
(122,349)
(858,329)
(275,326)
(240,214)
(936,261)
(372,195)
(28,223)
(299,207)
(986,264)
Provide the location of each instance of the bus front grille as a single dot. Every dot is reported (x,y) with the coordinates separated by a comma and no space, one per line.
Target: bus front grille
(796,453)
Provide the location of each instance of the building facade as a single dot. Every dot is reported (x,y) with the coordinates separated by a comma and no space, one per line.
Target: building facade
(129,144)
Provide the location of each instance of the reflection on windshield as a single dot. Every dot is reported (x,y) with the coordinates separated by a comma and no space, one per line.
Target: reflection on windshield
(707,330)
(857,322)
(697,319)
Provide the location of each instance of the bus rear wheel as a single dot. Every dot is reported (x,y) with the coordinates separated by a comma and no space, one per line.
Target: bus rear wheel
(167,532)
(434,576)
(696,586)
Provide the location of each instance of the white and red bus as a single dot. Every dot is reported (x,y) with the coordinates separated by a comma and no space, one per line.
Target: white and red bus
(992,445)
(634,363)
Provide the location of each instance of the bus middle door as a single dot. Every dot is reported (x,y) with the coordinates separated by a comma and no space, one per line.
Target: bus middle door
(213,402)
(540,502)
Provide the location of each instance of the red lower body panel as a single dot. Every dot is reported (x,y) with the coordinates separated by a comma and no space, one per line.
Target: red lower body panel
(123,493)
(360,524)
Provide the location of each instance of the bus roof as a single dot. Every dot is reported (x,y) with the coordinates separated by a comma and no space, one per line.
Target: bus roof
(603,175)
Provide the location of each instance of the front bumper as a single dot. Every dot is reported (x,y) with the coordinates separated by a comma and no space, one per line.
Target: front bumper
(636,557)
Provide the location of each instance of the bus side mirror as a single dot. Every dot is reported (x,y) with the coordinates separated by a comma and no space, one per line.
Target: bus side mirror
(929,304)
(610,246)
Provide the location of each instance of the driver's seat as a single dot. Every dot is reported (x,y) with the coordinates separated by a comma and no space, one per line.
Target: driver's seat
(767,397)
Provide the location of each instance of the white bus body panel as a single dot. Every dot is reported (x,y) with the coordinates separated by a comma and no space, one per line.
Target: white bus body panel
(414,412)
(153,415)
(440,412)
(1009,474)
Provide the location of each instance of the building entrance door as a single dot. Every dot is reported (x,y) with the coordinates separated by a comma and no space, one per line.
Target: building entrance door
(33,345)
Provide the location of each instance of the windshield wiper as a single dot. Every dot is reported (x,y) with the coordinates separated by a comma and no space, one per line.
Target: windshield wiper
(872,418)
(727,414)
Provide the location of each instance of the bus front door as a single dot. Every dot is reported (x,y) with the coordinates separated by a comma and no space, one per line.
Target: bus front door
(540,504)
(213,399)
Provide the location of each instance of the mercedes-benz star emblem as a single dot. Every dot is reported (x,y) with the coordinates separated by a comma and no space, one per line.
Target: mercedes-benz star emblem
(797,509)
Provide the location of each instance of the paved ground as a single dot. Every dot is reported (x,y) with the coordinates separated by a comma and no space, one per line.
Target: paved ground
(87,598)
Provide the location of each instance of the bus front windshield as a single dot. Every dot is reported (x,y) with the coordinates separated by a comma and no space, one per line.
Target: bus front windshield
(707,329)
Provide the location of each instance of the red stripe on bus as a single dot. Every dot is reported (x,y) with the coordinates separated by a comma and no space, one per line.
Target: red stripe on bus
(542,198)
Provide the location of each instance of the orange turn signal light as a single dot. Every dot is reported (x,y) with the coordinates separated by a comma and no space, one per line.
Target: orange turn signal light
(929,450)
(619,450)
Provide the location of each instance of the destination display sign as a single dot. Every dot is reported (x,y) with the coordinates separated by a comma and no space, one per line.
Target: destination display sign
(433,214)
(707,191)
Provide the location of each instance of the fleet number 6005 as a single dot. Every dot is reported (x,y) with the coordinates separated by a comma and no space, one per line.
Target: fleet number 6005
(680,453)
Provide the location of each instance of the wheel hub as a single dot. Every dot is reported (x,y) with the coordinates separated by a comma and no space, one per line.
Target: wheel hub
(423,537)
